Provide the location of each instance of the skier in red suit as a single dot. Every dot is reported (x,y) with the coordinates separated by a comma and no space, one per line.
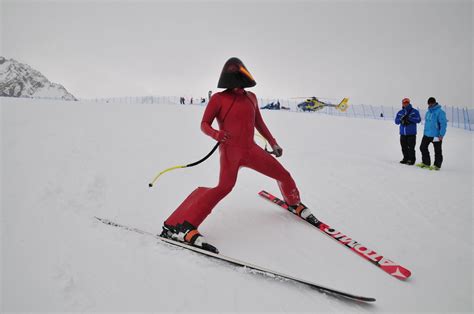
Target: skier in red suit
(237,113)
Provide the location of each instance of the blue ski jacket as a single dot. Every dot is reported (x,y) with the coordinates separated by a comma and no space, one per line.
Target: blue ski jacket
(413,117)
(435,122)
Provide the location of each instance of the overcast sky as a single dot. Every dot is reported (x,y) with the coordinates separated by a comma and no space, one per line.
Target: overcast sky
(374,52)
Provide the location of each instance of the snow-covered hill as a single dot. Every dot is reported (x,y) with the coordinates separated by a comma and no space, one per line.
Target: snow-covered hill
(65,162)
(20,80)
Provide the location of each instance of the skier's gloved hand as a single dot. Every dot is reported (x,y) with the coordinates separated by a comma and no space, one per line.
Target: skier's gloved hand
(405,120)
(277,150)
(222,136)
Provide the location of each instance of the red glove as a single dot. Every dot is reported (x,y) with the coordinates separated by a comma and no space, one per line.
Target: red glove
(277,150)
(222,136)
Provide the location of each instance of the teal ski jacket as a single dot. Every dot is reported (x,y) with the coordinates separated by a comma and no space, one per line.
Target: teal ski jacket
(435,122)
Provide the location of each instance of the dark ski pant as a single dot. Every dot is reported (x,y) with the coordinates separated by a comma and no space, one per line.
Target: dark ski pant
(425,153)
(199,204)
(408,143)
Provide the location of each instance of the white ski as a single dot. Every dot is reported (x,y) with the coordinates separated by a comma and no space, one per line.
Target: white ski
(241,263)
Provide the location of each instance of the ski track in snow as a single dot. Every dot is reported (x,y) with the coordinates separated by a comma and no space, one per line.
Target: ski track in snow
(65,162)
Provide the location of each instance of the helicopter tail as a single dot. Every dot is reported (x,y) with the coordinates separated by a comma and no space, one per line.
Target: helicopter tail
(343,105)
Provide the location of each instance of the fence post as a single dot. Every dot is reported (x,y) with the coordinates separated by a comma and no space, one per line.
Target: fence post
(452,116)
(373,114)
(464,118)
(457,109)
(468,120)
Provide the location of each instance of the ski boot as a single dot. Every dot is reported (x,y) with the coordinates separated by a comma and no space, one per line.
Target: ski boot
(302,211)
(187,234)
(410,162)
(422,165)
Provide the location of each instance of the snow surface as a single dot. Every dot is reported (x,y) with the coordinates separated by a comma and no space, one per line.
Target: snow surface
(65,162)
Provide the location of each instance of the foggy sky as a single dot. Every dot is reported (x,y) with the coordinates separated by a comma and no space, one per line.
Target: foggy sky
(374,52)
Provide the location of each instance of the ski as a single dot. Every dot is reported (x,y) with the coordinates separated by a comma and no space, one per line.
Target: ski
(243,264)
(382,262)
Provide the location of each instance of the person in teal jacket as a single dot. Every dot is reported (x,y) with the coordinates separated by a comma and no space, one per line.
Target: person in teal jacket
(435,130)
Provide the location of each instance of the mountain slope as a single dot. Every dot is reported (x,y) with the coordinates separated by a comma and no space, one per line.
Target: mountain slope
(20,80)
(65,162)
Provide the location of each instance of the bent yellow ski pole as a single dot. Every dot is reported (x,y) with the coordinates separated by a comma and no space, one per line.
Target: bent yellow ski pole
(186,166)
(195,163)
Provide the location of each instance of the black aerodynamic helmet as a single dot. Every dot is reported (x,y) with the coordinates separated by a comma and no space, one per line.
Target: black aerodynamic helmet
(235,74)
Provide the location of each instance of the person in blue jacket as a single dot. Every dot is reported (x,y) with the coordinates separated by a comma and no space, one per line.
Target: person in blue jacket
(435,130)
(407,118)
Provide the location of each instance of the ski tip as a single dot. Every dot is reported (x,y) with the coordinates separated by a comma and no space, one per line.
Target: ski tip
(401,273)
(351,297)
(368,299)
(364,299)
(397,271)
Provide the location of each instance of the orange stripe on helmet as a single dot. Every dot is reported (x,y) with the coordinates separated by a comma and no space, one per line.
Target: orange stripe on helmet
(246,73)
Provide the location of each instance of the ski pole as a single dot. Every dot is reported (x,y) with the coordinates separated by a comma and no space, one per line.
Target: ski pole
(185,166)
(201,160)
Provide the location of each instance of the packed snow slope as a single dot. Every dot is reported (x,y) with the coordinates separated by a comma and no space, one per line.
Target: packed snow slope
(65,162)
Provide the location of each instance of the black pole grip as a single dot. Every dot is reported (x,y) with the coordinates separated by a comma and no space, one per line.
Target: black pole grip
(205,157)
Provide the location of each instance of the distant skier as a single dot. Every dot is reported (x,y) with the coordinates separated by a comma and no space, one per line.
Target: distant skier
(237,113)
(407,118)
(435,130)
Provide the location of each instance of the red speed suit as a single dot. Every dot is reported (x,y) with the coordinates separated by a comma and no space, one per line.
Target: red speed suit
(237,112)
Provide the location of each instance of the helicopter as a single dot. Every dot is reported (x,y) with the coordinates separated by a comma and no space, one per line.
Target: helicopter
(314,104)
